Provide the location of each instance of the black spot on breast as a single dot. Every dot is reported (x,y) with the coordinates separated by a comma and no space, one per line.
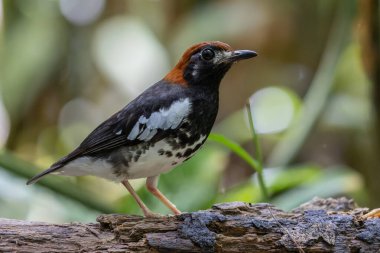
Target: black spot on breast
(188,152)
(174,163)
(117,159)
(168,153)
(161,151)
(119,162)
(179,155)
(173,143)
(136,157)
(197,146)
(182,137)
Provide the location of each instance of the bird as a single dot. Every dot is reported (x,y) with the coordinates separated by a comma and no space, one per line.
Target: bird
(161,128)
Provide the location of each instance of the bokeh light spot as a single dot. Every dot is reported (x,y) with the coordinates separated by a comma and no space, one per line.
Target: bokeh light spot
(129,54)
(4,124)
(273,109)
(81,12)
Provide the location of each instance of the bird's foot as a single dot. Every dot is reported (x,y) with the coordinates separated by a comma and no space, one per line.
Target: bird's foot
(375,213)
(176,211)
(150,214)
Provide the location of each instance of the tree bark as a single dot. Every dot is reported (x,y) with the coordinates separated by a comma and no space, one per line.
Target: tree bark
(322,225)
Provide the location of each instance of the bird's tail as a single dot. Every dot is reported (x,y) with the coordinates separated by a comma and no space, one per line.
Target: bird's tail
(37,177)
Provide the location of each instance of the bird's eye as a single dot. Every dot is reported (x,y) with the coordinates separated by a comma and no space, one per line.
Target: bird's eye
(207,54)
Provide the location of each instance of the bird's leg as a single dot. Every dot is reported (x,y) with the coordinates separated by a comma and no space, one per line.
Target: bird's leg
(151,185)
(375,213)
(147,212)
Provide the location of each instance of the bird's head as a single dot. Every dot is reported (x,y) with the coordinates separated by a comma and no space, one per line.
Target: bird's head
(205,64)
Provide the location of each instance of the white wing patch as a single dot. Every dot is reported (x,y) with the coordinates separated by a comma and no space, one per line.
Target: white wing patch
(164,119)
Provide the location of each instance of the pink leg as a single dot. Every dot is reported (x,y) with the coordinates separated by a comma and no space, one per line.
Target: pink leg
(151,185)
(147,212)
(375,213)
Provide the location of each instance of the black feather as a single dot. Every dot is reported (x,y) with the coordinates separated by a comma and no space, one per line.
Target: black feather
(103,139)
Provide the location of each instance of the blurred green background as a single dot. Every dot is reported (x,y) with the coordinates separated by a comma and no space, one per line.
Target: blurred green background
(66,65)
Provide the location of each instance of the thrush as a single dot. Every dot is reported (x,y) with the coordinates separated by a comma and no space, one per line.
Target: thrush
(161,128)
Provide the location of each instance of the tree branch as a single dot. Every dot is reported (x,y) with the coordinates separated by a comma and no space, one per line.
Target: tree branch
(331,225)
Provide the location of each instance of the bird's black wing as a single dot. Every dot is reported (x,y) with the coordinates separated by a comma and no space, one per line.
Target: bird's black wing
(130,126)
(108,135)
(115,132)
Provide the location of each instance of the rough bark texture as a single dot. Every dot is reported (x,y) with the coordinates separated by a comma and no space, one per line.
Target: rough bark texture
(322,225)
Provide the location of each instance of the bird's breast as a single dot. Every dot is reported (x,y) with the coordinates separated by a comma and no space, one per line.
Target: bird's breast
(139,161)
(156,159)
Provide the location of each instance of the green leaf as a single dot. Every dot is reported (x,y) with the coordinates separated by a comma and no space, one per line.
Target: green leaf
(237,149)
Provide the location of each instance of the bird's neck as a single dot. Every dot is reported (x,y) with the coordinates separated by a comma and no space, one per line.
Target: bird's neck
(205,78)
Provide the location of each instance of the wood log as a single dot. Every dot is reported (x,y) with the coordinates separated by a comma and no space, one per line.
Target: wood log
(321,225)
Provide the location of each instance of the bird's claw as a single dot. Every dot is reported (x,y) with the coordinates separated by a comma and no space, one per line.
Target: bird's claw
(152,215)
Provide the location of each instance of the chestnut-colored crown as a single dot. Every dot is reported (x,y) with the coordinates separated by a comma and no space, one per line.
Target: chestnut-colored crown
(176,74)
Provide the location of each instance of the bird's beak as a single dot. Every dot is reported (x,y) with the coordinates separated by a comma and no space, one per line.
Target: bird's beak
(238,55)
